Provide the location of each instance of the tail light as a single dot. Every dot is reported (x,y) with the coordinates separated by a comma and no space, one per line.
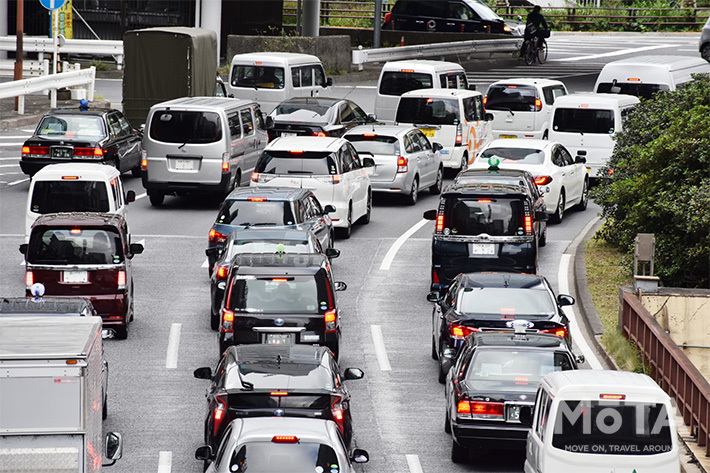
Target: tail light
(528,225)
(402,164)
(332,179)
(318,133)
(144,164)
(538,105)
(439,223)
(479,410)
(388,17)
(336,408)
(227,321)
(219,414)
(278,393)
(225,166)
(35,150)
(459,135)
(434,277)
(459,332)
(256,177)
(29,279)
(84,151)
(216,237)
(485,100)
(560,332)
(331,321)
(284,439)
(121,279)
(543,180)
(222,272)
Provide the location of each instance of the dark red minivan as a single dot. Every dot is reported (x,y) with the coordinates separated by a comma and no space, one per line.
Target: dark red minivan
(85,254)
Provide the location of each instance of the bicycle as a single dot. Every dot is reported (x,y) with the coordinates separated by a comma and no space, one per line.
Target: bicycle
(532,52)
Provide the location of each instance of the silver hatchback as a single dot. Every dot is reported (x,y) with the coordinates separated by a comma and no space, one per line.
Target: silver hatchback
(405,159)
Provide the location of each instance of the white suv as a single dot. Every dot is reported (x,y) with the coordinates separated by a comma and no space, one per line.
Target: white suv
(330,167)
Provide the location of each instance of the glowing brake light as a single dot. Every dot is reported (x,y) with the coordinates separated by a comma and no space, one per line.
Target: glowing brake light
(75,231)
(71,178)
(331,321)
(121,279)
(216,237)
(633,79)
(222,272)
(616,397)
(225,166)
(369,135)
(336,178)
(439,223)
(284,439)
(318,133)
(279,279)
(278,393)
(98,151)
(528,224)
(459,135)
(29,279)
(296,151)
(560,332)
(227,321)
(543,180)
(485,201)
(479,410)
(461,331)
(408,70)
(485,100)
(538,105)
(144,164)
(402,163)
(35,150)
(219,414)
(257,199)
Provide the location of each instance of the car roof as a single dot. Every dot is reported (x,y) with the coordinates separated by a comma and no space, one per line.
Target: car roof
(387,130)
(589,384)
(306,143)
(668,62)
(60,337)
(497,182)
(203,103)
(254,429)
(503,280)
(507,340)
(421,65)
(527,81)
(43,305)
(441,93)
(520,143)
(79,219)
(271,193)
(85,171)
(287,263)
(265,233)
(322,101)
(274,56)
(76,111)
(584,99)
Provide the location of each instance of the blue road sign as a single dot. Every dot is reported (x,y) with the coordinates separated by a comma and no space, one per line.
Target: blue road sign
(52,4)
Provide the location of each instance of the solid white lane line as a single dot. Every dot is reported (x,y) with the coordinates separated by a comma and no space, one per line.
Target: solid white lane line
(380,350)
(389,257)
(140,196)
(620,52)
(11,159)
(14,137)
(4,144)
(173,345)
(9,165)
(165,462)
(14,183)
(206,264)
(577,337)
(414,465)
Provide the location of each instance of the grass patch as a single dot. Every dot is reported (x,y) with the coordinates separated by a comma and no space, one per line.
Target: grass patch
(101,66)
(606,272)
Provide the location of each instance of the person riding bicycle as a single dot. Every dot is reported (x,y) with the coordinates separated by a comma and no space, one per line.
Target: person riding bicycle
(535,26)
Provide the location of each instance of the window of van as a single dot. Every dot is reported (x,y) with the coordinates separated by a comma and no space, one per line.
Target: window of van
(247,122)
(69,196)
(551,93)
(612,428)
(261,77)
(308,76)
(235,128)
(517,98)
(500,217)
(75,246)
(473,108)
(286,162)
(399,82)
(453,80)
(583,120)
(645,91)
(428,111)
(173,126)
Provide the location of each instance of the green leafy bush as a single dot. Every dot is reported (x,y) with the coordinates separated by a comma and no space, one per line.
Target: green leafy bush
(661,183)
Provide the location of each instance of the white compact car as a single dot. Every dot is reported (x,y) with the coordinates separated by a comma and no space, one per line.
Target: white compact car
(330,167)
(563,180)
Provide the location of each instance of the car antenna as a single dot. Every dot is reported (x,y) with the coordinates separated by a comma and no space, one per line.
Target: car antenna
(278,359)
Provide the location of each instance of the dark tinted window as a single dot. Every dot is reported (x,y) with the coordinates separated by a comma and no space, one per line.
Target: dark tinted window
(375,144)
(171,126)
(240,212)
(75,246)
(269,457)
(83,127)
(583,120)
(427,111)
(286,162)
(503,370)
(261,77)
(498,216)
(293,401)
(506,302)
(277,294)
(517,98)
(399,82)
(69,196)
(513,155)
(639,90)
(312,111)
(551,93)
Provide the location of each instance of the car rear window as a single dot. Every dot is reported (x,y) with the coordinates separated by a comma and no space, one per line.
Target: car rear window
(255,212)
(504,370)
(259,77)
(495,216)
(296,162)
(289,401)
(173,126)
(506,302)
(311,111)
(517,98)
(268,457)
(639,90)
(83,127)
(513,155)
(428,111)
(398,82)
(584,120)
(69,196)
(271,246)
(374,144)
(74,246)
(276,294)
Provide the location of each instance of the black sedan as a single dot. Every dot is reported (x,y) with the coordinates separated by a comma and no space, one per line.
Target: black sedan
(277,380)
(83,135)
(494,376)
(257,240)
(315,116)
(480,302)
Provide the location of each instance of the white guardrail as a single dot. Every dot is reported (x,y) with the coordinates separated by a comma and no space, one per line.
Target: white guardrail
(44,45)
(362,56)
(20,88)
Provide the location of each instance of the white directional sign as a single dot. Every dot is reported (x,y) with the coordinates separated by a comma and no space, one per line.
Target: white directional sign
(52,4)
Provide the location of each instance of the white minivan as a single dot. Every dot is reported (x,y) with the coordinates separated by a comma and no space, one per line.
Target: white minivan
(586,123)
(269,78)
(589,421)
(76,187)
(398,77)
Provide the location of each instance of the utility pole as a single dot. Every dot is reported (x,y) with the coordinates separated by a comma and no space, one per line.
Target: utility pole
(378,24)
(19,33)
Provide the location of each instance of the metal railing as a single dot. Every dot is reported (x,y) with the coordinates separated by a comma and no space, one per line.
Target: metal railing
(669,366)
(44,45)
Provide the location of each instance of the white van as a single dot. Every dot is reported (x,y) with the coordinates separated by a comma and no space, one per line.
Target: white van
(643,76)
(201,144)
(269,78)
(586,124)
(398,77)
(588,421)
(522,108)
(76,187)
(454,118)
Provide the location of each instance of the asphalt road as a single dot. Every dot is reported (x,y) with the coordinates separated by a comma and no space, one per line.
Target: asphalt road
(158,406)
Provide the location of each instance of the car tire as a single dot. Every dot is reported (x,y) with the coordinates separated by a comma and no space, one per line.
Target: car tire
(136,171)
(543,238)
(345,232)
(582,205)
(442,373)
(447,422)
(365,219)
(436,188)
(560,212)
(335,348)
(545,135)
(121,332)
(156,198)
(214,320)
(459,454)
(705,52)
(464,162)
(411,199)
(434,355)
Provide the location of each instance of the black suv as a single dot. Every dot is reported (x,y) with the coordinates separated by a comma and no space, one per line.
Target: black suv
(488,220)
(280,299)
(494,376)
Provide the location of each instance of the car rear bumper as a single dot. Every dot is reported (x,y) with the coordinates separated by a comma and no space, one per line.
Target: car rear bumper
(176,186)
(250,337)
(401,184)
(451,156)
(502,435)
(33,165)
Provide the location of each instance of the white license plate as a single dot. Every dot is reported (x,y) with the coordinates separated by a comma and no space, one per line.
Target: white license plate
(75,277)
(513,413)
(278,339)
(184,164)
(481,249)
(285,133)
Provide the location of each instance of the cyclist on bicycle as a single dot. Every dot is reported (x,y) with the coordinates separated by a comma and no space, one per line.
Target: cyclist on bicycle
(535,26)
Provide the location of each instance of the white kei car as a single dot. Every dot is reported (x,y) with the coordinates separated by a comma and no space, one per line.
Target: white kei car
(330,167)
(563,180)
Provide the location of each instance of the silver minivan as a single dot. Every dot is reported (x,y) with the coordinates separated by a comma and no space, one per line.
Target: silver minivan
(201,144)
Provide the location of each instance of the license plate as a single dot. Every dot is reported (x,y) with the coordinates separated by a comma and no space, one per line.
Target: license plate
(507,136)
(75,277)
(428,132)
(64,153)
(513,413)
(184,164)
(278,339)
(285,133)
(481,249)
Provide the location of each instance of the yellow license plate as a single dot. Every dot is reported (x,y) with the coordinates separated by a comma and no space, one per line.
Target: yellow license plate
(428,132)
(507,136)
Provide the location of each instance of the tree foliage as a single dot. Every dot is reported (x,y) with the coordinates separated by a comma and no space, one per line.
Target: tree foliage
(661,183)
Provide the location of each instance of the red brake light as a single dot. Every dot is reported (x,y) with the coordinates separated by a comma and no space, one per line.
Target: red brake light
(331,321)
(255,177)
(434,277)
(369,135)
(257,199)
(560,332)
(98,151)
(488,409)
(402,163)
(278,393)
(35,150)
(71,178)
(121,279)
(279,279)
(485,100)
(225,166)
(439,223)
(296,151)
(461,331)
(616,397)
(459,135)
(408,70)
(222,272)
(75,231)
(528,224)
(217,237)
(25,150)
(538,105)
(318,133)
(227,321)
(29,278)
(219,414)
(284,439)
(144,164)
(485,201)
(336,178)
(543,180)
(463,407)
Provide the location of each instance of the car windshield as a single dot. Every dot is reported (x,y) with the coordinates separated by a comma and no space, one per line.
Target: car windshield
(518,98)
(483,10)
(69,196)
(513,155)
(584,120)
(506,302)
(505,370)
(269,246)
(375,144)
(398,82)
(497,216)
(428,111)
(295,163)
(75,246)
(258,77)
(271,457)
(255,212)
(305,110)
(173,126)
(275,294)
(631,88)
(80,127)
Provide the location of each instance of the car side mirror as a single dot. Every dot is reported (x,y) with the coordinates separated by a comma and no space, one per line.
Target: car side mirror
(360,456)
(203,373)
(340,286)
(332,252)
(541,216)
(525,416)
(328,209)
(433,297)
(328,82)
(368,163)
(580,159)
(437,147)
(564,299)
(371,118)
(580,359)
(23,248)
(269,122)
(430,215)
(471,86)
(113,448)
(214,252)
(136,248)
(489,117)
(204,453)
(130,196)
(353,373)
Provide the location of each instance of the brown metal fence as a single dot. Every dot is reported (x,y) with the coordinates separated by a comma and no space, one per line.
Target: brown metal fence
(669,366)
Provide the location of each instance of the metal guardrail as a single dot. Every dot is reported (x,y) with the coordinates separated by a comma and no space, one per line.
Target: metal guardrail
(20,88)
(363,56)
(29,68)
(669,366)
(44,45)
